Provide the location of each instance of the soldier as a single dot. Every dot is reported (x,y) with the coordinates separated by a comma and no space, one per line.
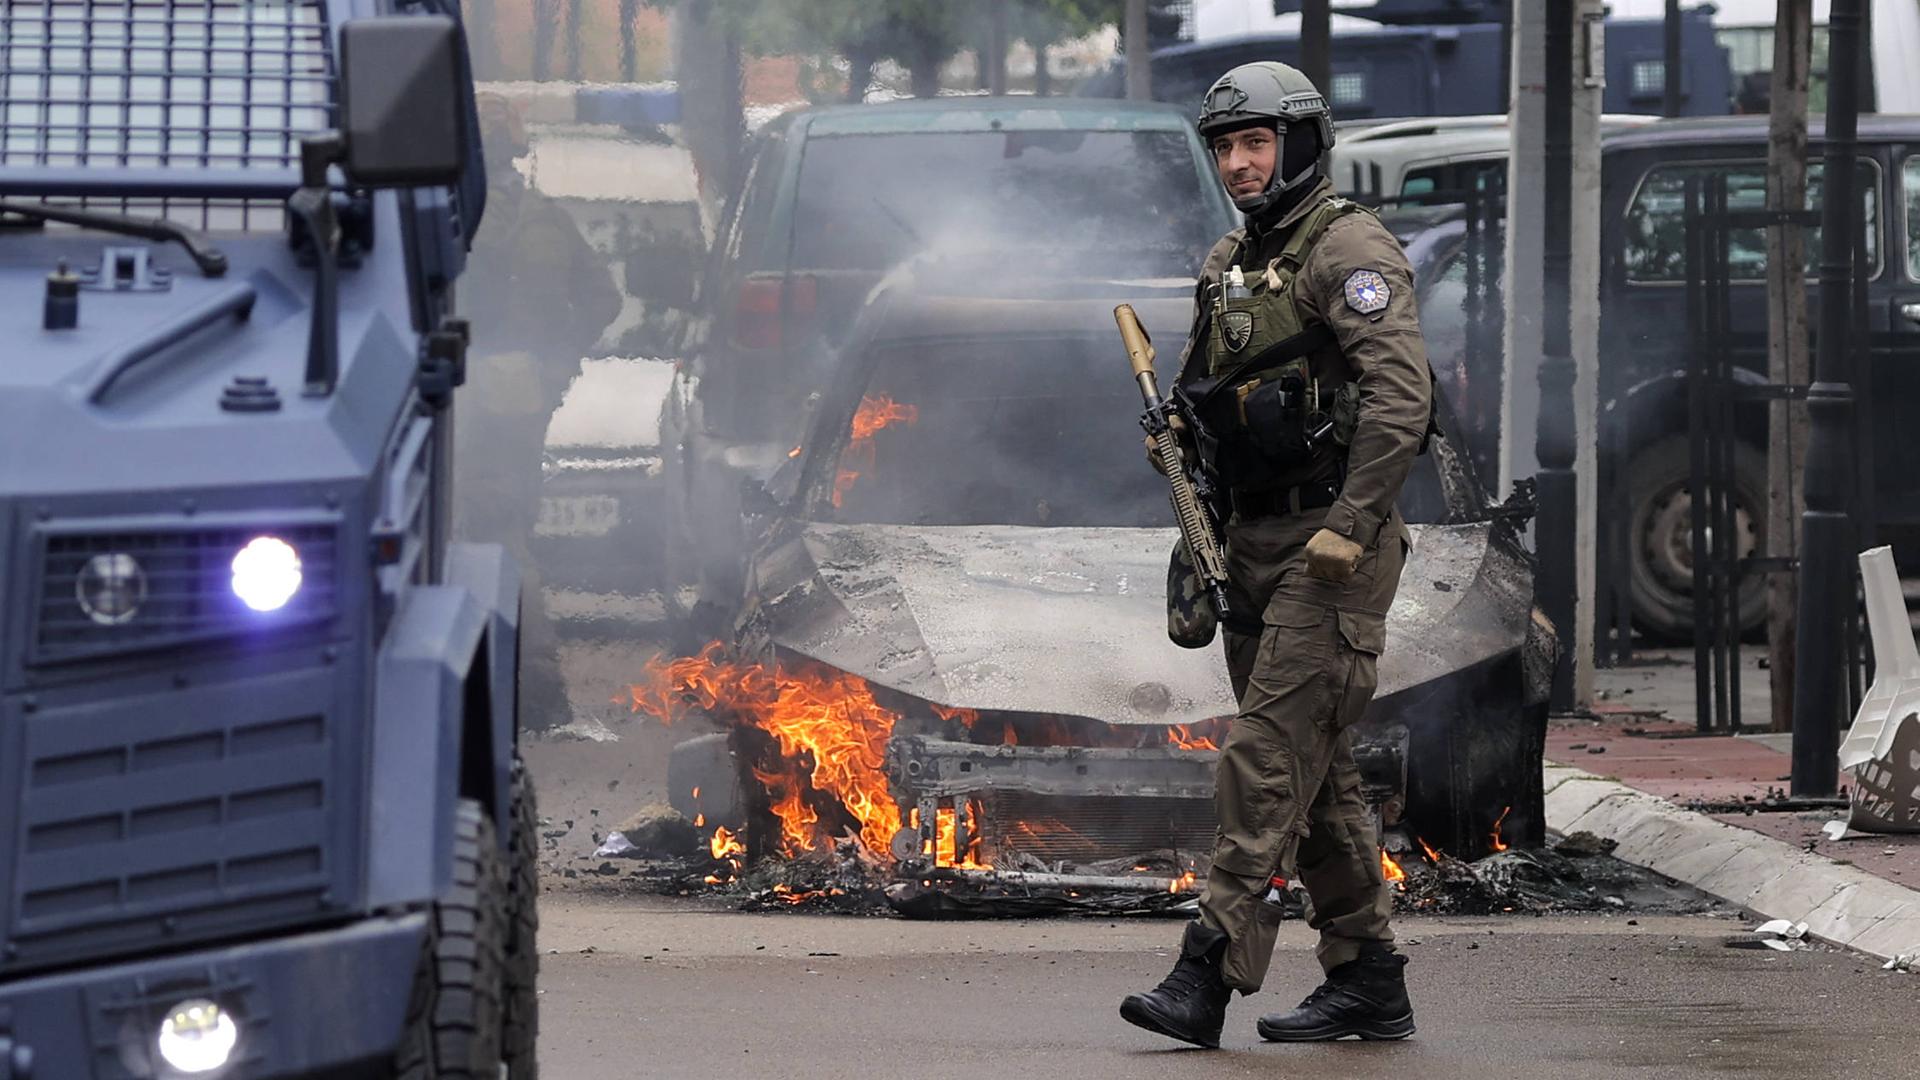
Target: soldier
(1307,372)
(539,297)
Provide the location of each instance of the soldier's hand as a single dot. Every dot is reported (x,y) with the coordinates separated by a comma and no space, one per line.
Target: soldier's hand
(1179,428)
(1332,557)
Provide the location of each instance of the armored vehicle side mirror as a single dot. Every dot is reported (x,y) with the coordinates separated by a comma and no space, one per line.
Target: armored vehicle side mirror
(401,100)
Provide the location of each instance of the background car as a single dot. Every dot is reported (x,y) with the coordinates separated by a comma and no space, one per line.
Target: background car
(835,198)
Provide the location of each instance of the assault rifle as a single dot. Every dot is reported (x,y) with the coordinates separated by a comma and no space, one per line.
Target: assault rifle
(1192,490)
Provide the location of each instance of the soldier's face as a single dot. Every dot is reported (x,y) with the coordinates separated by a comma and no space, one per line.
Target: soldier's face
(1246,160)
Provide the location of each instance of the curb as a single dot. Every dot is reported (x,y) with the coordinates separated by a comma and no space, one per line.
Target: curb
(1840,904)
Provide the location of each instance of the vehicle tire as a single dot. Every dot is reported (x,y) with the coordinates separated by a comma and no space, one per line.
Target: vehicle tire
(454,1022)
(522,1004)
(1660,537)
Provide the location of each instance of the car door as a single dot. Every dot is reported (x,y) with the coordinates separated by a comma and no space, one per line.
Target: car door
(1895,374)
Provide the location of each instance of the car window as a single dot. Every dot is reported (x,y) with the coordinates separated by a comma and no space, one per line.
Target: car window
(1910,182)
(866,202)
(1656,234)
(1420,182)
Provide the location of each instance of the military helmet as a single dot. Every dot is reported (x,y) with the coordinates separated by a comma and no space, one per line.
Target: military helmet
(1271,94)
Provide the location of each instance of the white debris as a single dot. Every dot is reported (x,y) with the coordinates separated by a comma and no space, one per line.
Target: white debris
(614,847)
(1903,962)
(1879,750)
(1835,829)
(584,729)
(1782,935)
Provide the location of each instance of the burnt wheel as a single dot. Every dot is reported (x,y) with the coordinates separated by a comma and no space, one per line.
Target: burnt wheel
(1661,538)
(523,924)
(454,1022)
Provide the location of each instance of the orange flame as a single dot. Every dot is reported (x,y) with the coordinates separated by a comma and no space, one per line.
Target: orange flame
(946,829)
(967,717)
(1182,883)
(1432,855)
(725,845)
(795,452)
(1182,736)
(830,733)
(1498,844)
(875,415)
(1392,870)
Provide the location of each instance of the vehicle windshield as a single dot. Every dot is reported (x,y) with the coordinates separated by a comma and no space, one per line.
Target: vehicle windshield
(999,431)
(1131,199)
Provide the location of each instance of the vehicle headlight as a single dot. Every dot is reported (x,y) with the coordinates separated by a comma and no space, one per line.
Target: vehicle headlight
(266,573)
(111,588)
(198,1037)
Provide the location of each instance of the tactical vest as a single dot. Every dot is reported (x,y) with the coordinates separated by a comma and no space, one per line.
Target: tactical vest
(1260,405)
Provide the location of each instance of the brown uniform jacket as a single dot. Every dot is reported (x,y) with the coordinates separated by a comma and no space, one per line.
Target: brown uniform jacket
(1380,349)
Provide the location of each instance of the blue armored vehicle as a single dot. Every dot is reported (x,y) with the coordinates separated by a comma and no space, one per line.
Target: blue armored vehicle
(263,813)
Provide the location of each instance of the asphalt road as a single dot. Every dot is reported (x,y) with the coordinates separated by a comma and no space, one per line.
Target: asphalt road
(642,987)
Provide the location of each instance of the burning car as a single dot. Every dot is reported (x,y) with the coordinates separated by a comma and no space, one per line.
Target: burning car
(948,653)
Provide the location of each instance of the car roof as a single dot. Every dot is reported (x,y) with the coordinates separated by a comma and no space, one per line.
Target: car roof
(1469,130)
(979,113)
(1874,127)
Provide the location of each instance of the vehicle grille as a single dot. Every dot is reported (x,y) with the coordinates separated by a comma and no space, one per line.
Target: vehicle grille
(159,818)
(169,84)
(186,583)
(1079,830)
(173,85)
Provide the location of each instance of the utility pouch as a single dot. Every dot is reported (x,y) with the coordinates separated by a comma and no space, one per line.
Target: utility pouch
(1272,410)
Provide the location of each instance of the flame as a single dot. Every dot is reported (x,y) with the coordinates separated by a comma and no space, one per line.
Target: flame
(696,792)
(1392,870)
(831,736)
(794,453)
(966,717)
(725,845)
(1182,736)
(786,894)
(875,415)
(1498,844)
(1182,883)
(1432,855)
(699,821)
(946,828)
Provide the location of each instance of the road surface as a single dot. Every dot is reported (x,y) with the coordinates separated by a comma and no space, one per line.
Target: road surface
(647,987)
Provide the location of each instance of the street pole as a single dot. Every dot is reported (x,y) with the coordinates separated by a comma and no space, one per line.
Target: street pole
(1786,339)
(1139,52)
(996,58)
(1555,525)
(1316,45)
(1670,71)
(1826,555)
(1583,280)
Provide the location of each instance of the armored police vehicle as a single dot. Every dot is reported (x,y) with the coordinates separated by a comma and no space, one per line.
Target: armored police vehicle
(263,816)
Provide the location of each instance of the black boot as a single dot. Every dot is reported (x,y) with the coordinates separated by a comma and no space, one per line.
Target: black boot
(1190,1004)
(1365,997)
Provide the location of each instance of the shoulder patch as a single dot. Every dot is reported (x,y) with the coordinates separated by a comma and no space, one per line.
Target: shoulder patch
(1367,292)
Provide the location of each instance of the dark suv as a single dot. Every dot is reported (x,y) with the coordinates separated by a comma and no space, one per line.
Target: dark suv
(1018,195)
(1644,344)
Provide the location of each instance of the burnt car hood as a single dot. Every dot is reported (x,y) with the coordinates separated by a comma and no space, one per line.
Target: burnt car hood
(1070,621)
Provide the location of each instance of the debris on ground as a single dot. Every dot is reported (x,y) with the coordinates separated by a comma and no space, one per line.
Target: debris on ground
(1577,874)
(659,831)
(1908,962)
(1782,935)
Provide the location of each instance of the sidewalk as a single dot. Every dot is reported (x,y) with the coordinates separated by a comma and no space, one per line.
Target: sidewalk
(1641,775)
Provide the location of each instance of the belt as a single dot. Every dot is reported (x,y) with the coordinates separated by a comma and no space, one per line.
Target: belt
(1249,505)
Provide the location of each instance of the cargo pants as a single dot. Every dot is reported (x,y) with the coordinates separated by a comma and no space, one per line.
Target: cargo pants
(1288,791)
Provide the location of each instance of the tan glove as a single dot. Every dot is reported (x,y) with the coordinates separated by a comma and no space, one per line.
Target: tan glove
(1179,428)
(1332,557)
